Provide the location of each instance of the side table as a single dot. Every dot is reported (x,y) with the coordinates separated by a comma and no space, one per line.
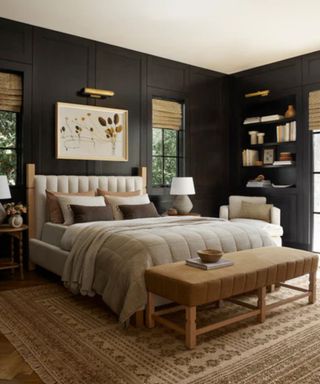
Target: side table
(15,234)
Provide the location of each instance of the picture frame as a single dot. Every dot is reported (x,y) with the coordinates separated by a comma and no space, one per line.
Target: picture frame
(85,132)
(268,156)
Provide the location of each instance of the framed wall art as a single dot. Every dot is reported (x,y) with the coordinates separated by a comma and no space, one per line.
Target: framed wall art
(268,156)
(85,132)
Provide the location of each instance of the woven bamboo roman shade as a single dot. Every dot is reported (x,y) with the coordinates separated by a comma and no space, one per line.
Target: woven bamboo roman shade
(314,110)
(166,114)
(10,92)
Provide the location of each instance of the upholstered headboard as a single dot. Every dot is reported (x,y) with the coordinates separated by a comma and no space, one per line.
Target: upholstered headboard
(37,185)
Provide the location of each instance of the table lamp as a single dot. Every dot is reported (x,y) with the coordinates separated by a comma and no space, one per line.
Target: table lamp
(4,194)
(181,187)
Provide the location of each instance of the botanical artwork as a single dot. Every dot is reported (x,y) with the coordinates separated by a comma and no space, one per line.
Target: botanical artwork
(91,133)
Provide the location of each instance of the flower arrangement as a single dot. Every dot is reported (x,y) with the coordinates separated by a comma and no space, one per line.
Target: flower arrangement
(14,209)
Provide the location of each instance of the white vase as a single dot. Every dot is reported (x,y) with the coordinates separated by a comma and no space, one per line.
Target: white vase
(15,221)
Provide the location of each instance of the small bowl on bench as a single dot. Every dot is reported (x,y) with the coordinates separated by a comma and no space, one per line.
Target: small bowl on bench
(210,255)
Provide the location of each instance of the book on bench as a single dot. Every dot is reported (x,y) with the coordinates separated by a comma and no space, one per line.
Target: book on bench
(197,263)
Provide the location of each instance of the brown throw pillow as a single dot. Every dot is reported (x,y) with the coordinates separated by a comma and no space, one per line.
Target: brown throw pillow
(84,213)
(55,213)
(102,192)
(138,211)
(256,211)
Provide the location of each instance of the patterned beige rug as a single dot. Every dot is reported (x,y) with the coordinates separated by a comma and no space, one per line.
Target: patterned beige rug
(76,340)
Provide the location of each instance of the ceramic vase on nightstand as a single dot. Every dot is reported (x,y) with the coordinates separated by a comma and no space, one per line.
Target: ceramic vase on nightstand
(15,221)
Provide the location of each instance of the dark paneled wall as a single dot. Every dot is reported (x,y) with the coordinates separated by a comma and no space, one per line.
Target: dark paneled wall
(55,66)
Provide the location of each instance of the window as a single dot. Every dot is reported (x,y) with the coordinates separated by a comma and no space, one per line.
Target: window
(10,106)
(314,126)
(167,141)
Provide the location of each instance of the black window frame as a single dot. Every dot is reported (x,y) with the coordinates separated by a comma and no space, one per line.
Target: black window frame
(315,132)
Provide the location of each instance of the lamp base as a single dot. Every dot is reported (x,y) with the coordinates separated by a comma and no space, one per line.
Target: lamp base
(3,214)
(182,204)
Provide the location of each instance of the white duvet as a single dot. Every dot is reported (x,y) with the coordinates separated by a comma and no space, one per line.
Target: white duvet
(110,258)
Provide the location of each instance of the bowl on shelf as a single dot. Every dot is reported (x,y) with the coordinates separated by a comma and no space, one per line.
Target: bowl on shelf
(210,255)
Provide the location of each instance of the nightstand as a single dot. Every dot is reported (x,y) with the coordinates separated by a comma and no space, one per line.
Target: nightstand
(15,234)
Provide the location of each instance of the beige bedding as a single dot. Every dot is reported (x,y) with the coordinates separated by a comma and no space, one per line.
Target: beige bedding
(109,258)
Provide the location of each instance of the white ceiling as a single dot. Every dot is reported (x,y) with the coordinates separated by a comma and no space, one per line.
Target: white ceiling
(222,35)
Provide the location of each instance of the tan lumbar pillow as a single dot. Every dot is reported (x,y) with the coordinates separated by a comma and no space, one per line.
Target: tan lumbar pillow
(256,211)
(103,192)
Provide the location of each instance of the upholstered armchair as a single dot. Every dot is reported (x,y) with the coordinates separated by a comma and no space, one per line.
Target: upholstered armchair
(234,210)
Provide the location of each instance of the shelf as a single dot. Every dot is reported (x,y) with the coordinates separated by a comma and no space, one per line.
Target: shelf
(269,166)
(280,122)
(290,190)
(271,144)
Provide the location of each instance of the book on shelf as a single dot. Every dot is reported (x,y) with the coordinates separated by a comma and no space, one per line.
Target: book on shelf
(282,185)
(251,120)
(258,184)
(287,132)
(268,118)
(283,162)
(197,263)
(249,157)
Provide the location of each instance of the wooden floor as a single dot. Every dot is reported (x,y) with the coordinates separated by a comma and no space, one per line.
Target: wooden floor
(13,369)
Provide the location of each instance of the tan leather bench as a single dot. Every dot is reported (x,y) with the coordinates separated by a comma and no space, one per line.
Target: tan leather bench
(253,269)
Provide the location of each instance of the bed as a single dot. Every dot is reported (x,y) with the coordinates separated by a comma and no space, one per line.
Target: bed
(110,258)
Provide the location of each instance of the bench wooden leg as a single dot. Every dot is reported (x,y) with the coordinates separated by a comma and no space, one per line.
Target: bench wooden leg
(312,287)
(191,337)
(262,304)
(150,311)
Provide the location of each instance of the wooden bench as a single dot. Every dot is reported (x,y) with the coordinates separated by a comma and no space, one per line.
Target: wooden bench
(253,270)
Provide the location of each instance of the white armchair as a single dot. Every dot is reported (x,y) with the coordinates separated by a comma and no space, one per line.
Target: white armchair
(232,212)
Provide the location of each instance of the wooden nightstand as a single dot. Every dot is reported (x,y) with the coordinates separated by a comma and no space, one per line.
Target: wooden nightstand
(187,214)
(14,233)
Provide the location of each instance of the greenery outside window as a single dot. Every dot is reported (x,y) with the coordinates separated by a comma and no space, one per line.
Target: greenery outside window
(167,141)
(10,108)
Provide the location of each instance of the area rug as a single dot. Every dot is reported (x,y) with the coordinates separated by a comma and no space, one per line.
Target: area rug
(75,340)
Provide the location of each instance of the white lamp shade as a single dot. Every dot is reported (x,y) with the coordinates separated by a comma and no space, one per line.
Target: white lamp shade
(182,186)
(4,188)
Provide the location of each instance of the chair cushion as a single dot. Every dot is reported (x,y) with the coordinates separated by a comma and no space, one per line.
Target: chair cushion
(273,230)
(255,211)
(235,203)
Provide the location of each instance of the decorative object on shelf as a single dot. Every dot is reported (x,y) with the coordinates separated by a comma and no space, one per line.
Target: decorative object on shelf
(285,156)
(258,163)
(210,255)
(268,156)
(96,93)
(259,182)
(253,137)
(290,112)
(85,132)
(181,187)
(263,93)
(4,194)
(260,137)
(14,211)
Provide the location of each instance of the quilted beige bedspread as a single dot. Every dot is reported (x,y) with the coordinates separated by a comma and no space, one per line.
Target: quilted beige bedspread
(110,258)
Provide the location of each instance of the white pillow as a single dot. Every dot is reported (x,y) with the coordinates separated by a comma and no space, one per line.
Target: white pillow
(115,201)
(66,201)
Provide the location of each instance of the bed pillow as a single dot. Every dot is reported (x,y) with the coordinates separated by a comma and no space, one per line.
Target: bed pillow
(84,213)
(103,192)
(55,213)
(115,201)
(66,201)
(138,211)
(256,211)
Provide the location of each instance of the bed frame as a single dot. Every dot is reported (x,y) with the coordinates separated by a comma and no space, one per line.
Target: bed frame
(36,201)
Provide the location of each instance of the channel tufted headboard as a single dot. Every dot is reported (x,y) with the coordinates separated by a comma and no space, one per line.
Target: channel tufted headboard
(37,185)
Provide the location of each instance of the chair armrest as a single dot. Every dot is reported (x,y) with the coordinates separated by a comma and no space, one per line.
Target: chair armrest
(275,216)
(224,212)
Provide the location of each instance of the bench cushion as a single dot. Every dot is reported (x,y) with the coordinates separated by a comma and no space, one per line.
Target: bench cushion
(252,269)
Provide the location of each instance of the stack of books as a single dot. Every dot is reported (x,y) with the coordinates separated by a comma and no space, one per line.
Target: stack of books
(287,132)
(197,263)
(259,184)
(268,118)
(249,157)
(286,158)
(251,120)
